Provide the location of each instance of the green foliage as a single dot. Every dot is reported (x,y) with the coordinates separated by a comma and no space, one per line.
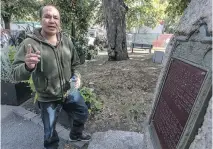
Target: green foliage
(81,46)
(81,49)
(176,7)
(91,98)
(7,57)
(91,52)
(19,9)
(100,42)
(99,15)
(149,13)
(171,24)
(32,87)
(83,14)
(145,12)
(12,52)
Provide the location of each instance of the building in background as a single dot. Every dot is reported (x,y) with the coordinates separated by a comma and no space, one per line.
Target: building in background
(147,35)
(96,31)
(17,26)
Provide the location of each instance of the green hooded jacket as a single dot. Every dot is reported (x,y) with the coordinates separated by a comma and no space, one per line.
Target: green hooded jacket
(52,74)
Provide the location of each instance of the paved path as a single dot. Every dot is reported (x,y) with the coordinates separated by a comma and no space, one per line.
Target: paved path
(22,129)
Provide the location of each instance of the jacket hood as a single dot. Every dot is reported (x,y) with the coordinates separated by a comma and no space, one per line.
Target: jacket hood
(36,35)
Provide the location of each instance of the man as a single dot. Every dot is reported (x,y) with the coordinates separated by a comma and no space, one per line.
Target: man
(51,59)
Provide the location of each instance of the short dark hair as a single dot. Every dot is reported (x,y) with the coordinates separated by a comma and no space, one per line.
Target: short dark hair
(41,9)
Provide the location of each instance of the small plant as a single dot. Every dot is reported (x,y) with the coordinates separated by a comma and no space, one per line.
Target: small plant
(81,49)
(91,99)
(100,42)
(32,87)
(80,45)
(12,52)
(91,52)
(7,57)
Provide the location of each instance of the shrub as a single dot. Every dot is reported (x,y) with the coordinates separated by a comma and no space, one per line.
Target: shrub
(91,100)
(7,57)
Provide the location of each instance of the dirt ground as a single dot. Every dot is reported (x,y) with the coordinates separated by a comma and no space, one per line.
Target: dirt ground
(126,89)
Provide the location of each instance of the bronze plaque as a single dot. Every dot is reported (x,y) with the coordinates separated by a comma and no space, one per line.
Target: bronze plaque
(177,98)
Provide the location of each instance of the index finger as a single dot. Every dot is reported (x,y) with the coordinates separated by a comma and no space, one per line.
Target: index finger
(29,49)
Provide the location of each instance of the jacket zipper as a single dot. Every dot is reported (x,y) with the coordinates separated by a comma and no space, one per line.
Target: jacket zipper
(59,71)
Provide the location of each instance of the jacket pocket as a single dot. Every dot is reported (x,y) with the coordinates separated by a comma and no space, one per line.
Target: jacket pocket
(54,86)
(40,82)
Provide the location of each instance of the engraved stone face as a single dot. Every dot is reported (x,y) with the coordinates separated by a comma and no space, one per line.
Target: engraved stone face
(177,98)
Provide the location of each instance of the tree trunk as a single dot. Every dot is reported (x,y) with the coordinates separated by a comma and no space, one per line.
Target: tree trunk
(114,12)
(7,20)
(73,30)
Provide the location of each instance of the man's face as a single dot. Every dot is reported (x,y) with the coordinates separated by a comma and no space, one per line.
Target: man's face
(50,20)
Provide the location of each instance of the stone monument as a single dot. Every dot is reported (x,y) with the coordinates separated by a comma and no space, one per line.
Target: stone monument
(184,88)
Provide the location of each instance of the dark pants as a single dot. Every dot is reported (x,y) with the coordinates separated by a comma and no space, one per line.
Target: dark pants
(77,112)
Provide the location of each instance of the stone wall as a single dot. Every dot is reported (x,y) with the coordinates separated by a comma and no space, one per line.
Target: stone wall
(204,138)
